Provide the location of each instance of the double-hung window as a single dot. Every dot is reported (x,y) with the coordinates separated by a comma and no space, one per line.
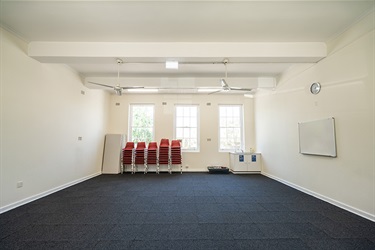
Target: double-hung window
(230,127)
(141,122)
(186,127)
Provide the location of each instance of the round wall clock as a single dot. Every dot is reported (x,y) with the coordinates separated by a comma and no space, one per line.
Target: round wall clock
(315,88)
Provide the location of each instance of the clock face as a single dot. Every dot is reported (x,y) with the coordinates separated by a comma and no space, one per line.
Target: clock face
(315,88)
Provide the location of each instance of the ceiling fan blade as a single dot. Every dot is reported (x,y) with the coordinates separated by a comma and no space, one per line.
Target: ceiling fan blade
(240,89)
(134,87)
(173,88)
(223,83)
(215,92)
(104,85)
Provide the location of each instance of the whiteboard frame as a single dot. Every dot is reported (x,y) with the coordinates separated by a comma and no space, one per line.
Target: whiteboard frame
(318,137)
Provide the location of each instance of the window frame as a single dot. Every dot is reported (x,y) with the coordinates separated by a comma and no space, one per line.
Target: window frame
(242,129)
(130,119)
(197,149)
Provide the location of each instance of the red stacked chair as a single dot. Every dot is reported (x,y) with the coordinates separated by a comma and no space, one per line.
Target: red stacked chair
(176,158)
(152,155)
(140,155)
(128,155)
(164,153)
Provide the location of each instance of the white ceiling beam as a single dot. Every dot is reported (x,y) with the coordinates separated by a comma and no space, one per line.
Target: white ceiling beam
(181,82)
(86,52)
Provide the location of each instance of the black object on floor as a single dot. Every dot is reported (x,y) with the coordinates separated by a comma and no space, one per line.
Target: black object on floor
(188,211)
(218,170)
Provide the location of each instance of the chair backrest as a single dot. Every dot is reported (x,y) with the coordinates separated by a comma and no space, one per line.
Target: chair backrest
(141,145)
(164,143)
(129,145)
(152,145)
(176,143)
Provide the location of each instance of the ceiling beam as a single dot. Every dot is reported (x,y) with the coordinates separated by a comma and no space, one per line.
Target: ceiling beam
(102,52)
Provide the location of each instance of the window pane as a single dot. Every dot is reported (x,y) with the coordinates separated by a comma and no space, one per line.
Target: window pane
(223,112)
(179,122)
(230,127)
(223,133)
(141,123)
(186,111)
(179,111)
(193,122)
(179,133)
(193,143)
(193,112)
(186,133)
(186,122)
(223,122)
(193,133)
(236,122)
(230,122)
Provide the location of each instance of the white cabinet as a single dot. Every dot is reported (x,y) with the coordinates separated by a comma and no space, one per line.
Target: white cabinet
(112,153)
(245,162)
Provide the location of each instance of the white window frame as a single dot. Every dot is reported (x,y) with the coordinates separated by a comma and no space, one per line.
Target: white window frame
(198,126)
(130,119)
(242,142)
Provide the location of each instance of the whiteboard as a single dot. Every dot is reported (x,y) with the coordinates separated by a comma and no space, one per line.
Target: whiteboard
(317,137)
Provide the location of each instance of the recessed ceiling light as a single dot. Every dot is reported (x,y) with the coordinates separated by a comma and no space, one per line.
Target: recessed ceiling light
(248,95)
(171,64)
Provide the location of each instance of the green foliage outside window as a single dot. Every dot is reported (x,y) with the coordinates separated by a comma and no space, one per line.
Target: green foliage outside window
(142,123)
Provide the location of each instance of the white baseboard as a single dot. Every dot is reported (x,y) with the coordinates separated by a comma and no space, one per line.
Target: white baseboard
(339,204)
(45,193)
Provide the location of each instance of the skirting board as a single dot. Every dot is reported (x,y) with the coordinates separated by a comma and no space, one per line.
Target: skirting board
(324,198)
(45,193)
(245,172)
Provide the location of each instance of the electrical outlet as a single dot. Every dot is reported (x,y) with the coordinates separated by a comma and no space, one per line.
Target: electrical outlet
(187,166)
(19,184)
(79,138)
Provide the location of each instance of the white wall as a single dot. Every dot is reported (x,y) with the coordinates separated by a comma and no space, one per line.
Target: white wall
(42,115)
(347,79)
(208,155)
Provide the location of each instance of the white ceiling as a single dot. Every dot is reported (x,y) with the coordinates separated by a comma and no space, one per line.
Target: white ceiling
(188,31)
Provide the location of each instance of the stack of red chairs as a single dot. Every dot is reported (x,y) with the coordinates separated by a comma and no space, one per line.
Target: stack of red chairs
(140,155)
(152,156)
(164,153)
(176,158)
(128,156)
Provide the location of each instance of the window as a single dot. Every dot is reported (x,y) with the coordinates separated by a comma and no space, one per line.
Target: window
(141,123)
(230,127)
(186,126)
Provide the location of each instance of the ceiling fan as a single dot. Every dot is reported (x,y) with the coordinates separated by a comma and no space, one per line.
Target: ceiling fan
(117,88)
(225,86)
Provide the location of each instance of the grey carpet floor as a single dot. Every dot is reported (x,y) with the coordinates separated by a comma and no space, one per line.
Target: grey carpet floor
(188,211)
